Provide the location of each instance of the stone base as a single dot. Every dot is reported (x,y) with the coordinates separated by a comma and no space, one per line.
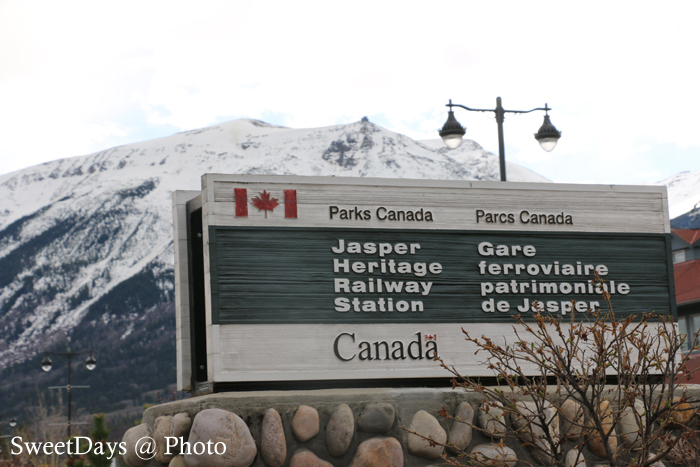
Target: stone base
(251,407)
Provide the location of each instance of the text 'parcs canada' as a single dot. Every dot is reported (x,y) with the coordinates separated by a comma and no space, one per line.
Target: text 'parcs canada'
(524,217)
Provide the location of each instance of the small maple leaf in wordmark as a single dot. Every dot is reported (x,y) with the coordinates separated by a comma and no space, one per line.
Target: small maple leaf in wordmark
(264,203)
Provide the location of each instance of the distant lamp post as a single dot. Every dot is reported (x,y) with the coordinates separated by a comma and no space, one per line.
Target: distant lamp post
(12,423)
(452,131)
(90,364)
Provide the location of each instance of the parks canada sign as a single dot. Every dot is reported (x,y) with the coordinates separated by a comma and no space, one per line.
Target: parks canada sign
(284,278)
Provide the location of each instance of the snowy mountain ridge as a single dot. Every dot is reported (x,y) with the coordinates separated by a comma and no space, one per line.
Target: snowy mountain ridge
(73,229)
(683,192)
(86,242)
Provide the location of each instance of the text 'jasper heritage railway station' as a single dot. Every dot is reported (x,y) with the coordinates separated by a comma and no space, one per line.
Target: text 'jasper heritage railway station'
(283,279)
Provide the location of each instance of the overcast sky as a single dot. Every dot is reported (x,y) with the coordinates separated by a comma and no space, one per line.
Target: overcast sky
(621,77)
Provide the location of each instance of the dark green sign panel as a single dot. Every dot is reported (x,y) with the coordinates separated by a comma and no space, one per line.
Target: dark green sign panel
(368,276)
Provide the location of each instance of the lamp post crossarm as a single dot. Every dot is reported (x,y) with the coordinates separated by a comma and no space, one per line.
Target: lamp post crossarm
(67,354)
(69,387)
(450,105)
(546,108)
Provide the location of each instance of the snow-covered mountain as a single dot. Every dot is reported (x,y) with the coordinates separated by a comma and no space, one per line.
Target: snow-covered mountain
(72,229)
(684,199)
(86,242)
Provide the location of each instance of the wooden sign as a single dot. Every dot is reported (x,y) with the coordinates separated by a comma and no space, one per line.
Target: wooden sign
(330,279)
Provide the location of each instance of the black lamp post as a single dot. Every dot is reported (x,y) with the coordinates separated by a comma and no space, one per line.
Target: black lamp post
(12,423)
(452,132)
(90,364)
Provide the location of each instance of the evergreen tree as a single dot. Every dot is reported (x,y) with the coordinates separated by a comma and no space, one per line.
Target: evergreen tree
(99,434)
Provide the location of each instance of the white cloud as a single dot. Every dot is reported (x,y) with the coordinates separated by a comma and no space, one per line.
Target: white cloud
(83,74)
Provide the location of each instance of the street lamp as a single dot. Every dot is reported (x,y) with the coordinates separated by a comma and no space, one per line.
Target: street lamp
(452,131)
(12,423)
(90,364)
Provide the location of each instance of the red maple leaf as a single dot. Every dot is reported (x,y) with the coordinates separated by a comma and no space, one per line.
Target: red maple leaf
(264,202)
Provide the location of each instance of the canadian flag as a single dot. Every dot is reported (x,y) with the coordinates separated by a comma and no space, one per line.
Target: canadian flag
(265,202)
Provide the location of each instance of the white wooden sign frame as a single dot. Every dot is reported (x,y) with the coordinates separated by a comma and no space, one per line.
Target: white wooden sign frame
(301,352)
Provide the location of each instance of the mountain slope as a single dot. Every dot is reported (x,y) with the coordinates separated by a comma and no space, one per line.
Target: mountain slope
(683,197)
(71,229)
(86,242)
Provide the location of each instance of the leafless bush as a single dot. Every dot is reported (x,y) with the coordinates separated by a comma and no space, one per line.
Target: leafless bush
(619,373)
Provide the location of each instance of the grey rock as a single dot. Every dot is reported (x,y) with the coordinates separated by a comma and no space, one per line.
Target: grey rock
(378,452)
(130,438)
(162,429)
(181,425)
(273,445)
(428,426)
(377,418)
(571,419)
(305,423)
(494,455)
(166,426)
(306,458)
(492,419)
(574,459)
(461,431)
(628,429)
(681,412)
(528,420)
(340,429)
(537,425)
(657,463)
(177,461)
(221,426)
(595,441)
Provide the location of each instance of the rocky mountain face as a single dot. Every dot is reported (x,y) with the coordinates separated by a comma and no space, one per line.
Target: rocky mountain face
(86,258)
(684,200)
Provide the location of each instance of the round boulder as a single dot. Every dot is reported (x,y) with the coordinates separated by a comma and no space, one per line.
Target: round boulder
(492,419)
(494,455)
(571,419)
(595,440)
(306,458)
(378,452)
(426,425)
(163,426)
(131,443)
(305,423)
(574,458)
(632,424)
(181,425)
(273,445)
(340,429)
(177,461)
(377,418)
(221,426)
(461,430)
(681,413)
